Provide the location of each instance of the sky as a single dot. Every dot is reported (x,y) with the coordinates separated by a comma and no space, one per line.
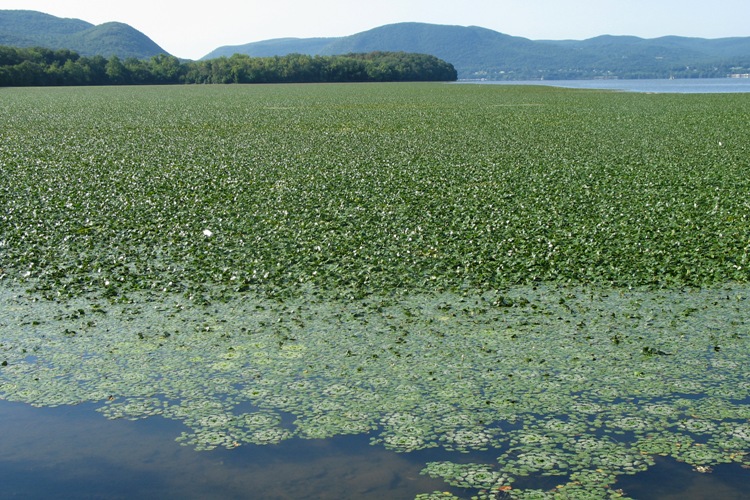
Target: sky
(192,29)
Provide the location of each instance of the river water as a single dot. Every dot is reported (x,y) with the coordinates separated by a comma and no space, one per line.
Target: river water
(679,86)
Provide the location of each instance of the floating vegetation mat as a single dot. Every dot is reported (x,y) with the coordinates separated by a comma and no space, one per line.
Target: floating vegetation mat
(540,282)
(582,383)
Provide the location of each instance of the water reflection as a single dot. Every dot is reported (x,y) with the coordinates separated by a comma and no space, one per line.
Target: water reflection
(672,480)
(72,452)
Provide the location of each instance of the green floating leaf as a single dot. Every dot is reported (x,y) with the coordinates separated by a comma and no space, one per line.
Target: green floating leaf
(408,261)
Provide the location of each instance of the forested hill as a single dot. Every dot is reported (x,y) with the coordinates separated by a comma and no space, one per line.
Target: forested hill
(475,52)
(38,66)
(27,28)
(482,53)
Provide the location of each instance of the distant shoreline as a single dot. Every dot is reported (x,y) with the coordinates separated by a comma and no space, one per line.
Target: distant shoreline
(663,85)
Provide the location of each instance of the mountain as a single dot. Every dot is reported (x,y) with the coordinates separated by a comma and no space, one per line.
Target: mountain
(26,28)
(480,53)
(477,53)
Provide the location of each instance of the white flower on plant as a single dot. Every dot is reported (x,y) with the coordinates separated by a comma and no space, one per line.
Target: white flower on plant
(208,233)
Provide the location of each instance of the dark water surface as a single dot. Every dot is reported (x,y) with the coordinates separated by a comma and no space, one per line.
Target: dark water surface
(672,480)
(73,452)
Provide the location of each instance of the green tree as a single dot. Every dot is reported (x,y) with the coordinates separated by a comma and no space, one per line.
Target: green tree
(29,73)
(75,73)
(139,71)
(96,68)
(165,69)
(116,71)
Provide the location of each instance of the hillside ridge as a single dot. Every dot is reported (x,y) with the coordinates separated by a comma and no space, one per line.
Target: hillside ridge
(481,53)
(28,28)
(477,53)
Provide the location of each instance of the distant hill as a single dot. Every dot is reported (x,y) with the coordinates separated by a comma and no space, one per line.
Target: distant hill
(475,52)
(482,53)
(26,28)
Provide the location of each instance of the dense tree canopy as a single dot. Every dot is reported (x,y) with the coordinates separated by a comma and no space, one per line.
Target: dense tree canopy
(40,66)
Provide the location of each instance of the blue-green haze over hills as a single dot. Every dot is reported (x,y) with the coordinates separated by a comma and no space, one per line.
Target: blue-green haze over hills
(26,28)
(479,53)
(475,52)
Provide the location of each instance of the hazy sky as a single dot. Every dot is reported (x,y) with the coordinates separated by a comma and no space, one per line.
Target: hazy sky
(192,29)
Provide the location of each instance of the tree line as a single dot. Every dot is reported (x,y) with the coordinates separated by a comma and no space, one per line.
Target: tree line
(45,67)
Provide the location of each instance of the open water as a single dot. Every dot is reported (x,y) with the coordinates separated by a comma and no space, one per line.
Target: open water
(679,86)
(72,452)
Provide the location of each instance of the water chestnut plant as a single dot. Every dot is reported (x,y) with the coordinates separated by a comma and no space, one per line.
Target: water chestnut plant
(557,279)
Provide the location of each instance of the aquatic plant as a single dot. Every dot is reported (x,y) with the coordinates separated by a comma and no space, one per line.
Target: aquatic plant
(555,278)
